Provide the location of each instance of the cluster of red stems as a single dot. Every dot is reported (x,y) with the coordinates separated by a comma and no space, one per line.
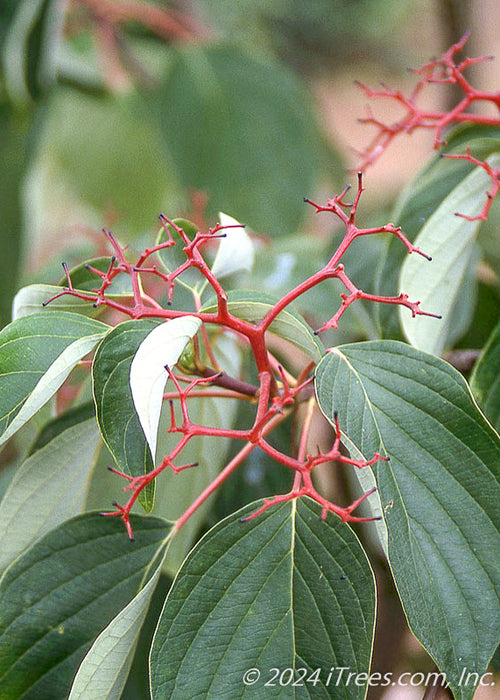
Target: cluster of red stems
(278,392)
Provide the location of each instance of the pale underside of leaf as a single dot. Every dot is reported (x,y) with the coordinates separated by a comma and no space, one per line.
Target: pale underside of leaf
(235,252)
(49,488)
(104,670)
(29,300)
(449,240)
(148,376)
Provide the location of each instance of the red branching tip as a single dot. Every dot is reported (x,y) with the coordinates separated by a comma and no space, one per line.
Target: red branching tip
(124,514)
(119,473)
(268,503)
(68,278)
(345,513)
(494,174)
(166,222)
(401,300)
(396,230)
(177,469)
(444,70)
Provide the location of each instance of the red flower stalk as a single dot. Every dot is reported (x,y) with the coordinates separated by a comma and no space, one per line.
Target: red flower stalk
(444,70)
(494,174)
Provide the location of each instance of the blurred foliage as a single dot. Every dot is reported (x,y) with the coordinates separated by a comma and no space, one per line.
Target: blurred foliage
(314,35)
(128,117)
(113,112)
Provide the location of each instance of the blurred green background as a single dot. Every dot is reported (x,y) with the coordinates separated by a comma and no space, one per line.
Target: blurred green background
(114,111)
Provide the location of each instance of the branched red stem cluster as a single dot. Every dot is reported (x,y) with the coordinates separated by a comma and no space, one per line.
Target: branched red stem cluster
(444,70)
(278,393)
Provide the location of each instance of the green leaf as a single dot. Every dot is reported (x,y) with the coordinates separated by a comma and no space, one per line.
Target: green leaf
(285,590)
(116,414)
(37,353)
(252,306)
(449,239)
(55,426)
(211,96)
(50,487)
(61,593)
(485,379)
(439,493)
(104,670)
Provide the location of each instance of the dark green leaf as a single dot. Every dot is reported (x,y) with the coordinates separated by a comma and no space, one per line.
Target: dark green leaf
(104,670)
(485,379)
(116,414)
(285,590)
(61,593)
(439,493)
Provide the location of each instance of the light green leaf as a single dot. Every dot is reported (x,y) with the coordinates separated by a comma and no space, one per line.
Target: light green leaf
(285,590)
(440,492)
(118,420)
(49,488)
(104,670)
(37,353)
(29,300)
(235,251)
(420,200)
(252,306)
(161,348)
(450,240)
(57,597)
(485,379)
